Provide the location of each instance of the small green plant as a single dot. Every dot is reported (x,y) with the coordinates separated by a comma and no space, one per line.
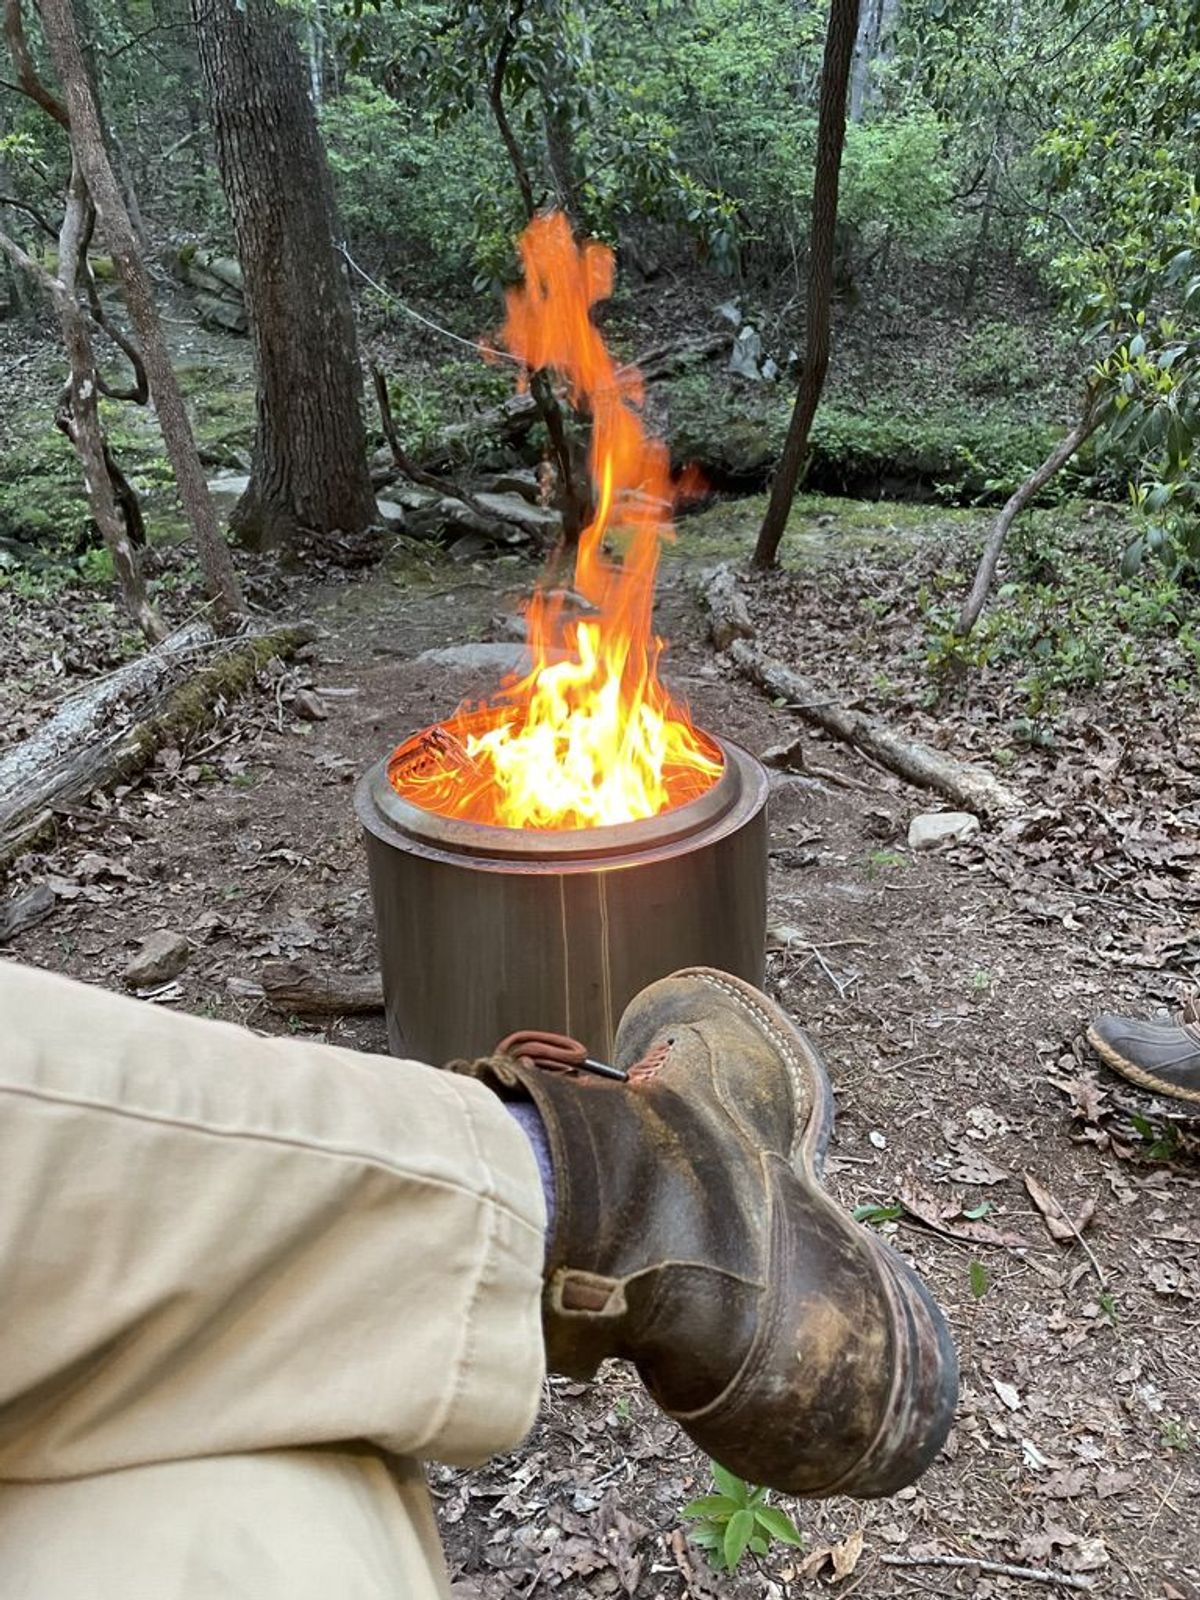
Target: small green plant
(737,1519)
(884,861)
(1108,1308)
(981,981)
(1175,1436)
(977,1275)
(877,1211)
(1164,1144)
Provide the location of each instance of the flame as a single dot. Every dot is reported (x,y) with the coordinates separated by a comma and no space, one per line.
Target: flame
(590,736)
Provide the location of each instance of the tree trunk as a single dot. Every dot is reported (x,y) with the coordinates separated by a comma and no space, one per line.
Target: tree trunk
(309,471)
(1016,503)
(831,136)
(87,145)
(79,415)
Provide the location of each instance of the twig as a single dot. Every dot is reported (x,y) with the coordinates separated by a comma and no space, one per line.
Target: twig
(407,465)
(1166,1497)
(1003,1569)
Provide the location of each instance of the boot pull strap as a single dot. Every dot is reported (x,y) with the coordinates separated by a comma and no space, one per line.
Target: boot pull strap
(555,1052)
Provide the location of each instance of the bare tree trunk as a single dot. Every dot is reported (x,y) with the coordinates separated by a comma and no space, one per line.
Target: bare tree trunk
(80,409)
(87,144)
(560,152)
(309,474)
(1033,485)
(831,137)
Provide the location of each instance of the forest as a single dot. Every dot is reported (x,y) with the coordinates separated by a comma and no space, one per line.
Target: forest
(361,360)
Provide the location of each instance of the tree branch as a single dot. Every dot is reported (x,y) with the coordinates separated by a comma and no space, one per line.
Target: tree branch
(23,205)
(22,59)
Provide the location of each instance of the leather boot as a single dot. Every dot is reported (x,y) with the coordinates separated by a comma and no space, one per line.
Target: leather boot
(693,1238)
(1161,1056)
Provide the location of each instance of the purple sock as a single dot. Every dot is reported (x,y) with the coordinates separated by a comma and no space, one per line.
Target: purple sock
(525,1113)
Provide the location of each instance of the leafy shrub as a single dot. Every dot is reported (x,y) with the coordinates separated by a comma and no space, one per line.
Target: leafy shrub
(998,358)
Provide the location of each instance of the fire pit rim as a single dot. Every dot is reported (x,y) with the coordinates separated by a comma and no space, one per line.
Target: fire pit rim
(739,790)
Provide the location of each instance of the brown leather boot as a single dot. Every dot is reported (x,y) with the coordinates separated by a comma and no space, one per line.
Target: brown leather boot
(1161,1056)
(693,1238)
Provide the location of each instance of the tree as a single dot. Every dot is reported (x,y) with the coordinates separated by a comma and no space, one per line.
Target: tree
(831,137)
(309,473)
(90,158)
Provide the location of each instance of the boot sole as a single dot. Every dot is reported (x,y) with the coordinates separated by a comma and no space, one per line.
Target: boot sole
(1139,1075)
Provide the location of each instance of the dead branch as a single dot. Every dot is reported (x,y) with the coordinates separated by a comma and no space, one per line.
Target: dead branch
(39,217)
(1093,414)
(303,990)
(1003,1569)
(110,730)
(969,786)
(404,462)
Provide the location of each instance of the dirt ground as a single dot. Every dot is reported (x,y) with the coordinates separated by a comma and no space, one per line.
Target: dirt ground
(950,1011)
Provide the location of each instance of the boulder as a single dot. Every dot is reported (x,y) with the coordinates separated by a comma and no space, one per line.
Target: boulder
(163,956)
(934,829)
(390,513)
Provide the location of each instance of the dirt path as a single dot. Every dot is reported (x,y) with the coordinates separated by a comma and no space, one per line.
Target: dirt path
(950,1022)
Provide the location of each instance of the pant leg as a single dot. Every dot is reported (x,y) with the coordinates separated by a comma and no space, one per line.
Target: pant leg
(279,1525)
(213,1243)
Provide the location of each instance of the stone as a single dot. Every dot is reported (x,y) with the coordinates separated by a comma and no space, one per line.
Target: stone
(747,353)
(390,513)
(521,480)
(309,707)
(933,829)
(496,656)
(163,956)
(516,509)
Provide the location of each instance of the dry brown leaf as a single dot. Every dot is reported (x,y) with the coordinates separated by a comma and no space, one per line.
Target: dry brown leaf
(1059,1223)
(926,1208)
(845,1555)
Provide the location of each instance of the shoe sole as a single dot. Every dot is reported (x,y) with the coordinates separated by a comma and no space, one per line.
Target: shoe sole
(1139,1075)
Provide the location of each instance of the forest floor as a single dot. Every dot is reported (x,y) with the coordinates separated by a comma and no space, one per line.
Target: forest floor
(948,993)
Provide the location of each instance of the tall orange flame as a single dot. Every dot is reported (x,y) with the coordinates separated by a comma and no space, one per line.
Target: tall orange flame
(590,735)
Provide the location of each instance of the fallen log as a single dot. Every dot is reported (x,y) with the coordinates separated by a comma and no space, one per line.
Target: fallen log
(109,731)
(728,614)
(303,990)
(970,787)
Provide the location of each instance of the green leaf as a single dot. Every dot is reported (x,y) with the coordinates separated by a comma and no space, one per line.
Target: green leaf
(738,1534)
(981,1210)
(778,1524)
(712,1505)
(759,1546)
(708,1537)
(977,1273)
(730,1484)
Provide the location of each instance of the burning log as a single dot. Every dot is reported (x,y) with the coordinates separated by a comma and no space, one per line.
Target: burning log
(110,730)
(970,787)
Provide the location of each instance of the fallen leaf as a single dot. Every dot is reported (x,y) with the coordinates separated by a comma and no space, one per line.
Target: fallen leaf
(845,1555)
(922,1205)
(1008,1394)
(1059,1225)
(975,1169)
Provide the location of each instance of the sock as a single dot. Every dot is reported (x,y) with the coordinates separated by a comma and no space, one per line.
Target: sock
(525,1113)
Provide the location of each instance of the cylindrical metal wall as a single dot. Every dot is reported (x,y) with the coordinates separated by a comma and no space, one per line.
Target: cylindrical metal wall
(483,931)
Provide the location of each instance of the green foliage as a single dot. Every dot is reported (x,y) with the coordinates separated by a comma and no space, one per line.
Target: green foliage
(977,1278)
(737,1520)
(875,1212)
(1066,620)
(897,182)
(997,359)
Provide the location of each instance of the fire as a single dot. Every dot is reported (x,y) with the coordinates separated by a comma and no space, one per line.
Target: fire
(590,736)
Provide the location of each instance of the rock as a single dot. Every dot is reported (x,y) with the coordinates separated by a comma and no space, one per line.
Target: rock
(309,707)
(24,910)
(514,508)
(227,488)
(747,353)
(498,657)
(390,513)
(522,481)
(162,957)
(932,829)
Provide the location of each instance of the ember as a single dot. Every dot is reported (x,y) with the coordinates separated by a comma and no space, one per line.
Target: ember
(589,736)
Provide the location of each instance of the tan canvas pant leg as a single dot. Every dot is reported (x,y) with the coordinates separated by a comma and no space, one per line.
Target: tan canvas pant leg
(213,1244)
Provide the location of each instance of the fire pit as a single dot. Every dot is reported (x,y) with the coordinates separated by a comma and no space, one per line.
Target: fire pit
(484,930)
(537,859)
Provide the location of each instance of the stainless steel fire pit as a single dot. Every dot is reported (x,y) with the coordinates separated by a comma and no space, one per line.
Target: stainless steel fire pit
(483,930)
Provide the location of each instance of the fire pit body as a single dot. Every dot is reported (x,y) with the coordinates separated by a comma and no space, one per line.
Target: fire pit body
(484,930)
